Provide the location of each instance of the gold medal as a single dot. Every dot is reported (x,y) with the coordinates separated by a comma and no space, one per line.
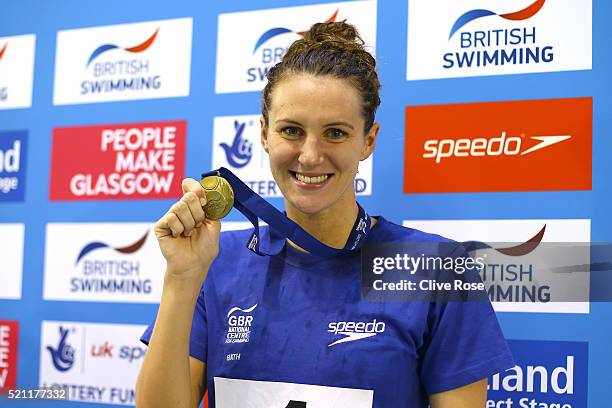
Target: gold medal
(219,197)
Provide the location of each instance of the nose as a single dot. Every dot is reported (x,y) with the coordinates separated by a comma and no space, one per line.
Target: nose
(311,154)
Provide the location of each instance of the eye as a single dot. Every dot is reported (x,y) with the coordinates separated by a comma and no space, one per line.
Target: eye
(291,131)
(335,134)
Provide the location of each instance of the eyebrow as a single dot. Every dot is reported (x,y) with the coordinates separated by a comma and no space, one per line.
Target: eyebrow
(339,123)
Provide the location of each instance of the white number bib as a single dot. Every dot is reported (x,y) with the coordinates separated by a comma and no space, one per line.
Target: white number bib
(232,393)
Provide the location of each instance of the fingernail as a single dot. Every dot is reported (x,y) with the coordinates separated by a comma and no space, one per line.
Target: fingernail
(202,202)
(198,225)
(188,234)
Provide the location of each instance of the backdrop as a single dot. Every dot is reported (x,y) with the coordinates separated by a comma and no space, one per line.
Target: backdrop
(495,124)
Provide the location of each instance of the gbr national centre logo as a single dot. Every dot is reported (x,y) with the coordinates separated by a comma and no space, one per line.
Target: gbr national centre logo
(448,38)
(123,62)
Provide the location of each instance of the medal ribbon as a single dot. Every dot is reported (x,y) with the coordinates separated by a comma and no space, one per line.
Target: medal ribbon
(252,206)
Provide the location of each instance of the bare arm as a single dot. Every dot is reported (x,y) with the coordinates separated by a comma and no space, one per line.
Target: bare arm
(169,377)
(470,396)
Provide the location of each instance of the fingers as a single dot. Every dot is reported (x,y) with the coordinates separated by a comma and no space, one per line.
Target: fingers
(194,203)
(186,214)
(191,185)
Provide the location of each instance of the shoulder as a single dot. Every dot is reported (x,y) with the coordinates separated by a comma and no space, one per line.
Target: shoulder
(387,231)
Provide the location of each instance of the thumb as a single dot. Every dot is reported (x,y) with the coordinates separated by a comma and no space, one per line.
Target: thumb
(191,185)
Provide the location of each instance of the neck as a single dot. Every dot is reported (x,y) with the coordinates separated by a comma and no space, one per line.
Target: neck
(331,226)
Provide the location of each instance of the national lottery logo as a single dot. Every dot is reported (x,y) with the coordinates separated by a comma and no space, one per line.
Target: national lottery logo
(62,355)
(109,274)
(240,152)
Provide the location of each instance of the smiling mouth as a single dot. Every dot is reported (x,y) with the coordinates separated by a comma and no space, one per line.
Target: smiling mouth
(318,179)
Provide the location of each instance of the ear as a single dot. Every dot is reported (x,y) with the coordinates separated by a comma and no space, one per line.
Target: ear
(264,133)
(370,141)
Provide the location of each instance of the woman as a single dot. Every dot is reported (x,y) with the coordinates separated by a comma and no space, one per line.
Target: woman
(291,330)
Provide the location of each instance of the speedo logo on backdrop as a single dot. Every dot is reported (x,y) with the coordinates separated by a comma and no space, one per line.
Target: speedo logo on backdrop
(93,362)
(118,264)
(13,155)
(477,37)
(244,60)
(547,374)
(132,160)
(16,71)
(123,62)
(499,146)
(237,146)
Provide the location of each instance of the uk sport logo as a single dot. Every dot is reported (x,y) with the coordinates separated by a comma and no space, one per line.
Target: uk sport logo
(353,331)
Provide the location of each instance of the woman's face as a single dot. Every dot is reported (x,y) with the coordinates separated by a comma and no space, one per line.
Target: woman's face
(315,140)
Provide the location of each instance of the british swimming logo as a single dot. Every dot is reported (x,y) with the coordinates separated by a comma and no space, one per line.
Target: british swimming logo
(472,15)
(353,331)
(239,324)
(134,49)
(503,37)
(123,62)
(129,249)
(16,71)
(244,60)
(273,32)
(3,50)
(62,356)
(241,150)
(113,262)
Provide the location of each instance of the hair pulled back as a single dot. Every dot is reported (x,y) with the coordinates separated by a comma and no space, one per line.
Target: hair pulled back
(334,49)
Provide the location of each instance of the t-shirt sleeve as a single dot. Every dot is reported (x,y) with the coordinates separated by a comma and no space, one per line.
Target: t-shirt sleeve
(466,344)
(198,340)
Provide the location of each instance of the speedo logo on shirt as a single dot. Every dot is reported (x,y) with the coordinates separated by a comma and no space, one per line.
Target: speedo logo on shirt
(355,330)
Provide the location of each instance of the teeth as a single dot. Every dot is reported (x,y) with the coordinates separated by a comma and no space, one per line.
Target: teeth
(311,180)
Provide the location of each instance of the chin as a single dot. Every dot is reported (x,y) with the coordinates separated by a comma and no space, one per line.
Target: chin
(309,206)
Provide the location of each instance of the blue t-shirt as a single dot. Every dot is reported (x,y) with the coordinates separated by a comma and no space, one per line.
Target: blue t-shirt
(269,328)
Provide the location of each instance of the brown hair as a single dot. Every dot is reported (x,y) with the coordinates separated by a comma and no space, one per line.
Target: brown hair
(334,49)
